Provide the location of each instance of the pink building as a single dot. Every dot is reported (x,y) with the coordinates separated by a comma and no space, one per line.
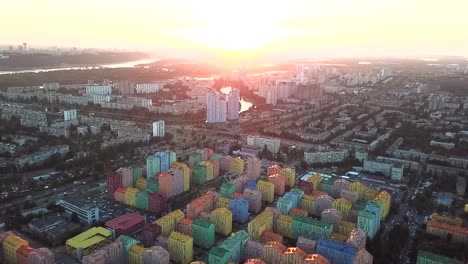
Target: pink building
(41,256)
(254,167)
(177,180)
(156,255)
(127,177)
(165,184)
(224,163)
(239,183)
(279,182)
(254,197)
(206,153)
(273,169)
(150,233)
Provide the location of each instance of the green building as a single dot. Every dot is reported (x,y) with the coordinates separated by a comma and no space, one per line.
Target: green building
(235,245)
(137,173)
(153,166)
(199,174)
(425,257)
(284,205)
(227,189)
(310,228)
(152,185)
(141,200)
(219,255)
(194,159)
(326,185)
(172,157)
(203,233)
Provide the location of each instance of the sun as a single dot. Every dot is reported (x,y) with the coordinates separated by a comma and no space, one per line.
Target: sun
(238,28)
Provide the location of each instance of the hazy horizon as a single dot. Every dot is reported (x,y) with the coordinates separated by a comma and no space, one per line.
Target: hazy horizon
(243,30)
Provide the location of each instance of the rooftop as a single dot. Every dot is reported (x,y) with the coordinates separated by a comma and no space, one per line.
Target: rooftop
(125,221)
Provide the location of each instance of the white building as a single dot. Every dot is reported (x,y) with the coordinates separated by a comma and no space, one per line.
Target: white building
(272,95)
(148,87)
(216,109)
(99,89)
(86,212)
(233,105)
(158,128)
(326,156)
(272,144)
(101,98)
(69,115)
(50,86)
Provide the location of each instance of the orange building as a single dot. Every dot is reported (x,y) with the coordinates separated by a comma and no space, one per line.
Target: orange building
(279,182)
(459,234)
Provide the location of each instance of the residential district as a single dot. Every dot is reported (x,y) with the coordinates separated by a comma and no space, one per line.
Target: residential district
(320,163)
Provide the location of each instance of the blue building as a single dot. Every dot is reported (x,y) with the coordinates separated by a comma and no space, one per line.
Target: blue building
(298,192)
(369,218)
(296,201)
(336,252)
(284,205)
(239,208)
(163,160)
(251,185)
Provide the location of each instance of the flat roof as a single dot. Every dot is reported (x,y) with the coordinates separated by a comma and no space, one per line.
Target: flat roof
(125,221)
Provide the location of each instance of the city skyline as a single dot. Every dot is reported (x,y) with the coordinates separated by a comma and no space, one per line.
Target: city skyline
(250,31)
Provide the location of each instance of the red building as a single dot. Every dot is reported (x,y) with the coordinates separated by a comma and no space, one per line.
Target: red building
(22,254)
(150,233)
(127,224)
(114,181)
(157,203)
(307,187)
(165,184)
(185,226)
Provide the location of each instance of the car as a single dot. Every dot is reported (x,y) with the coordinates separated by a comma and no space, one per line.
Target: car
(46,187)
(65,193)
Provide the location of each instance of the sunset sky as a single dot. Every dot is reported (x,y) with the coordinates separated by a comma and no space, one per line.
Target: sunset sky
(294,28)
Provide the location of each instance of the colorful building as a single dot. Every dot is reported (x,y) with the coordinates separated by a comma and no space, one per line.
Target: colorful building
(152,184)
(235,244)
(169,222)
(254,167)
(272,252)
(88,241)
(227,189)
(203,233)
(140,183)
(339,185)
(284,205)
(223,202)
(135,254)
(127,177)
(308,203)
(357,238)
(284,225)
(157,203)
(289,175)
(254,197)
(240,210)
(384,199)
(127,224)
(165,184)
(11,245)
(315,179)
(194,159)
(295,197)
(267,189)
(273,169)
(342,205)
(142,200)
(130,196)
(331,216)
(222,218)
(219,255)
(263,222)
(425,257)
(336,252)
(180,248)
(442,230)
(279,183)
(357,187)
(185,226)
(310,228)
(326,185)
(236,166)
(186,172)
(457,221)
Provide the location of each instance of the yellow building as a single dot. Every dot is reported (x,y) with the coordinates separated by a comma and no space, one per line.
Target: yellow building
(338,237)
(135,254)
(466,208)
(284,225)
(187,173)
(180,248)
(447,220)
(222,202)
(10,245)
(316,179)
(357,187)
(222,218)
(370,194)
(88,241)
(289,175)
(385,199)
(308,203)
(236,166)
(342,205)
(263,222)
(267,189)
(209,170)
(141,184)
(130,196)
(169,222)
(345,227)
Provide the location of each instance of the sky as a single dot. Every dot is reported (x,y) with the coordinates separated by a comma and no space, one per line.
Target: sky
(243,28)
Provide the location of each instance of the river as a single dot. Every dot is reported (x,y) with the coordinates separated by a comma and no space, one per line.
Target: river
(244,104)
(129,64)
